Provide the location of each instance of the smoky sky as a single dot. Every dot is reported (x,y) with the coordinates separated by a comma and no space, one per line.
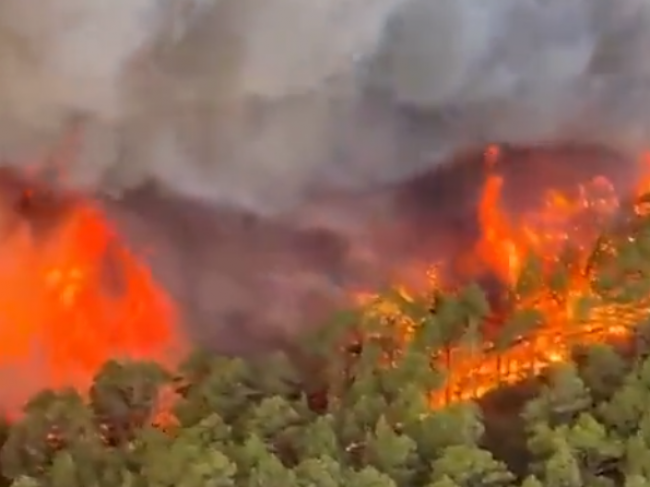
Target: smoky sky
(280,152)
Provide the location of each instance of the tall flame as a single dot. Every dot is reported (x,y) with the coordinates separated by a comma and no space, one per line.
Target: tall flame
(506,242)
(73,301)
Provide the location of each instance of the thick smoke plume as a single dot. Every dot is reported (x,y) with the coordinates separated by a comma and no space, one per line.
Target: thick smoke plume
(262,146)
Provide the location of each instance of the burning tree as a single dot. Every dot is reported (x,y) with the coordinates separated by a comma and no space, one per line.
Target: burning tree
(549,385)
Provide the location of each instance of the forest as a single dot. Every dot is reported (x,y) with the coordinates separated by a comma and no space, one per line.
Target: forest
(382,396)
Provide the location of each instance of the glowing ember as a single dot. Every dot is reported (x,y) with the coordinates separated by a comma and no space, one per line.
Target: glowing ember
(73,301)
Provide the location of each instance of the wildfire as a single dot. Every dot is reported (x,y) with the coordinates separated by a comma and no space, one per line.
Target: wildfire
(505,244)
(78,298)
(72,301)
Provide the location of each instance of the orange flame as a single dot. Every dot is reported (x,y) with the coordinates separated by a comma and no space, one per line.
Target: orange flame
(504,246)
(60,317)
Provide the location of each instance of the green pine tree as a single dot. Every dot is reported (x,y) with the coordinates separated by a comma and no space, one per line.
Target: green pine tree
(321,471)
(471,466)
(390,452)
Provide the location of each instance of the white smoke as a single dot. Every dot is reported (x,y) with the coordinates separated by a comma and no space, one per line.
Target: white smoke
(532,71)
(262,104)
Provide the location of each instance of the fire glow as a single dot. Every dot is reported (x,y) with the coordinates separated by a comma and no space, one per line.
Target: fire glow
(61,318)
(505,243)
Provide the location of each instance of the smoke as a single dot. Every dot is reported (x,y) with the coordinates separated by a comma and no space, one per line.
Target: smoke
(261,106)
(264,147)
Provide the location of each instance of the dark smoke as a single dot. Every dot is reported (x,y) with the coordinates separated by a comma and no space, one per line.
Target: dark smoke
(278,153)
(245,283)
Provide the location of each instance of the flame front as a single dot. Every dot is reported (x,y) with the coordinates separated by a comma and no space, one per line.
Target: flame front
(504,245)
(73,301)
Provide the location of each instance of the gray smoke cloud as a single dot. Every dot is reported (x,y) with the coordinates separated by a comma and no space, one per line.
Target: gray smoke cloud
(262,145)
(262,105)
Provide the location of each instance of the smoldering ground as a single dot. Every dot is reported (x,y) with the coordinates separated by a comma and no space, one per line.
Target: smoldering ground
(278,154)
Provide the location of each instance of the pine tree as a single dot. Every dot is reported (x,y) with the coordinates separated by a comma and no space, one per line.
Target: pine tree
(320,472)
(561,400)
(470,466)
(362,414)
(531,481)
(318,439)
(602,369)
(249,453)
(210,431)
(186,461)
(391,453)
(412,369)
(270,472)
(624,411)
(273,375)
(369,477)
(272,416)
(597,451)
(213,384)
(447,321)
(125,395)
(636,461)
(63,472)
(409,406)
(522,322)
(542,441)
(562,469)
(211,469)
(444,481)
(52,422)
